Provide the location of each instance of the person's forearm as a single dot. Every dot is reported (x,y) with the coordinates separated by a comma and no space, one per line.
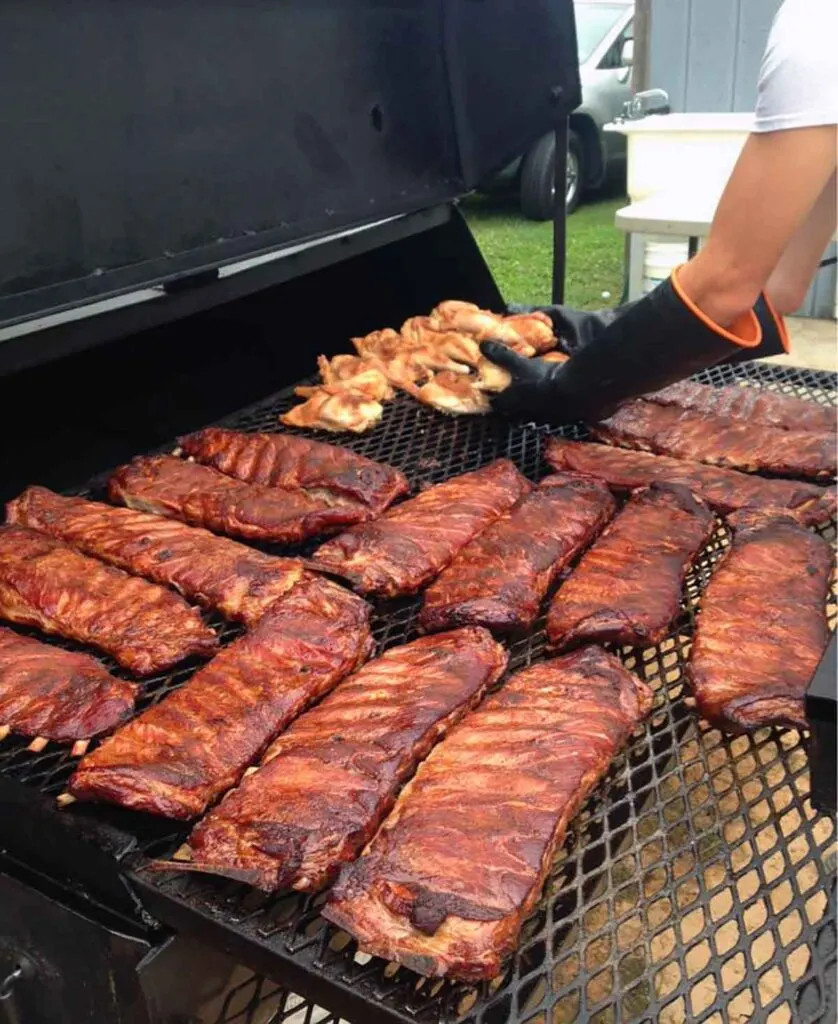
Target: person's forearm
(798,265)
(770,196)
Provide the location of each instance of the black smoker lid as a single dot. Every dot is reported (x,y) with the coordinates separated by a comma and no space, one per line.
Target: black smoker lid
(143,141)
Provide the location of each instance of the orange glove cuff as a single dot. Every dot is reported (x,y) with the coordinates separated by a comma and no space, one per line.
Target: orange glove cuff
(745,331)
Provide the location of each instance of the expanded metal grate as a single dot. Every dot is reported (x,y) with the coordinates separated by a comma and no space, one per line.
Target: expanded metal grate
(697,883)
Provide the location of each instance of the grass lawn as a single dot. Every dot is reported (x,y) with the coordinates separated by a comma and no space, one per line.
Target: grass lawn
(519,251)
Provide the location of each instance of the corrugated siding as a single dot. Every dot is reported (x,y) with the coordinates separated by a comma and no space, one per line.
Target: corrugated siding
(707,54)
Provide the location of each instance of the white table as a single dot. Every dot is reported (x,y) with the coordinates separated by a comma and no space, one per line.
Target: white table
(679,214)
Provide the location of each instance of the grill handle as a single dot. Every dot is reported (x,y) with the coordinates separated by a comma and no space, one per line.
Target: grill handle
(10,986)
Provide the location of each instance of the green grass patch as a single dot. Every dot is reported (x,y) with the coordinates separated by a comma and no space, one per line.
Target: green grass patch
(519,251)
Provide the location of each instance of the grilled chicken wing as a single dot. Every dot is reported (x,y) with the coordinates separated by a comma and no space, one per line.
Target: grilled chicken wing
(336,409)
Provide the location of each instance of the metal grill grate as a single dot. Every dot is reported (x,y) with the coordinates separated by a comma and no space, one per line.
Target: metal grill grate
(697,883)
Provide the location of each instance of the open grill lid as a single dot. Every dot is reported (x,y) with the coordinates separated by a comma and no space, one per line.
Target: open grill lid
(147,142)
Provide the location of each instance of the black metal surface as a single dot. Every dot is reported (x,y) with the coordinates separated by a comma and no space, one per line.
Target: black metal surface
(199,293)
(697,883)
(822,712)
(179,376)
(46,952)
(149,141)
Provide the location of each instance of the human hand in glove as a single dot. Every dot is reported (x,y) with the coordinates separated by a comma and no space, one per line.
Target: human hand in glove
(573,327)
(535,390)
(637,348)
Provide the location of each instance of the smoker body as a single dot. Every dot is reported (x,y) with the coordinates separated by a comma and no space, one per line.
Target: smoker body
(199,202)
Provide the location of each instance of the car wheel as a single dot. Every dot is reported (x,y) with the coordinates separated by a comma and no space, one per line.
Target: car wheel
(538,189)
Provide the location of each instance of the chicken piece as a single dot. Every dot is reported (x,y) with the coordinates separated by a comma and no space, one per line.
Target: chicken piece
(404,371)
(454,393)
(535,328)
(525,333)
(555,357)
(365,376)
(334,408)
(491,377)
(379,344)
(432,349)
(460,348)
(415,329)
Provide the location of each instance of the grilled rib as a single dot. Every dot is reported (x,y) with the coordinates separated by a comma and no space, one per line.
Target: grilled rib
(212,571)
(46,584)
(60,695)
(203,496)
(762,626)
(500,578)
(411,543)
(328,781)
(285,460)
(181,754)
(737,444)
(447,882)
(755,405)
(724,490)
(627,588)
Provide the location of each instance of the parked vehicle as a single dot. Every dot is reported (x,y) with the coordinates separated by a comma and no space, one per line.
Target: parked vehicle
(605,44)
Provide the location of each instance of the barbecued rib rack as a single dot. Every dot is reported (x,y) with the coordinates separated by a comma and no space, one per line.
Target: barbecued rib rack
(697,883)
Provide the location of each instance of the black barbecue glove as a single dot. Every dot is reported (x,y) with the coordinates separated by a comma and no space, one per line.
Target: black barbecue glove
(573,327)
(644,346)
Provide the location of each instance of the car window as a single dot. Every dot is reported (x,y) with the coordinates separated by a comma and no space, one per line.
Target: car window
(613,58)
(593,23)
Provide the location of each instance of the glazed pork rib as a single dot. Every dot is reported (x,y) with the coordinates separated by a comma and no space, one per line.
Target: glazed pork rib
(213,571)
(762,626)
(180,755)
(202,496)
(627,587)
(329,780)
(736,444)
(501,577)
(59,695)
(47,584)
(411,543)
(756,405)
(724,490)
(459,864)
(289,461)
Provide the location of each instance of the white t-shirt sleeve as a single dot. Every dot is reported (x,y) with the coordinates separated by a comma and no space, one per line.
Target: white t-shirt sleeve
(798,82)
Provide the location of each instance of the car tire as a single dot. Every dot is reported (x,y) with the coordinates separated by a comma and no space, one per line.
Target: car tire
(538,177)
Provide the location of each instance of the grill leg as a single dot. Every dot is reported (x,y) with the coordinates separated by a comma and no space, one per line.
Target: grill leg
(560,212)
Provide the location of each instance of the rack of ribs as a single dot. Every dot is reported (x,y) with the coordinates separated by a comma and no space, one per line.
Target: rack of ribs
(328,781)
(501,577)
(181,754)
(212,571)
(46,584)
(762,627)
(460,862)
(202,496)
(724,490)
(756,405)
(627,587)
(56,694)
(296,463)
(413,542)
(736,444)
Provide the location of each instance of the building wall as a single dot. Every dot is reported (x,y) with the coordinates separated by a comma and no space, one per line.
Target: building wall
(707,54)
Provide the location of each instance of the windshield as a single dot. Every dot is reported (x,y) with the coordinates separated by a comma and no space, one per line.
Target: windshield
(593,23)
